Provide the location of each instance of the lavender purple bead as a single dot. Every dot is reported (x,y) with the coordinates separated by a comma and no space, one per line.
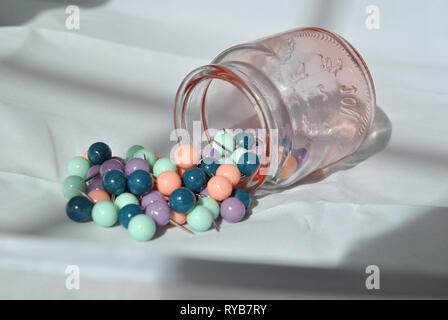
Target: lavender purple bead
(110,165)
(93,171)
(204,192)
(232,210)
(134,165)
(301,156)
(95,184)
(151,198)
(160,212)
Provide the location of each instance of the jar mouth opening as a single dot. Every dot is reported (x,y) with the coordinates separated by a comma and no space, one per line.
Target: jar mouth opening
(192,103)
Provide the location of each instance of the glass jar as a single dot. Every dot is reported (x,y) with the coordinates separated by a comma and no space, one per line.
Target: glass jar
(306,94)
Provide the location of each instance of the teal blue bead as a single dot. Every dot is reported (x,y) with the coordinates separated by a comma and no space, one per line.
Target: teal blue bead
(72,185)
(132,150)
(79,209)
(148,155)
(142,227)
(224,142)
(243,195)
(124,199)
(236,155)
(211,204)
(162,165)
(127,213)
(99,152)
(105,214)
(182,200)
(78,166)
(248,163)
(200,219)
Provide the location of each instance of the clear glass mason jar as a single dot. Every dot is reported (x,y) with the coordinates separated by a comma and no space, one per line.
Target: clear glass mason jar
(307,93)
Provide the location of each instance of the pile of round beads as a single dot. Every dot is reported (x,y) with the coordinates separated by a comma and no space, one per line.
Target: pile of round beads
(144,192)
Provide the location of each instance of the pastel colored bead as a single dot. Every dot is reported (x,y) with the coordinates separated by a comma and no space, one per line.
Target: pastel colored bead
(248,163)
(209,165)
(142,227)
(211,204)
(151,197)
(236,155)
(204,192)
(95,184)
(160,212)
(98,196)
(121,160)
(219,188)
(288,168)
(99,152)
(93,171)
(186,156)
(200,219)
(231,172)
(232,210)
(140,182)
(114,182)
(182,200)
(245,140)
(167,182)
(194,179)
(226,160)
(125,199)
(243,195)
(86,155)
(162,165)
(105,214)
(72,185)
(179,218)
(209,152)
(127,213)
(147,154)
(79,209)
(110,165)
(135,164)
(132,150)
(301,156)
(224,142)
(78,166)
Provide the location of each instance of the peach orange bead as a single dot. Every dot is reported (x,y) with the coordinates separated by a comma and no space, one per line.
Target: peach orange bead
(180,218)
(167,182)
(231,172)
(186,156)
(98,195)
(85,156)
(219,188)
(288,168)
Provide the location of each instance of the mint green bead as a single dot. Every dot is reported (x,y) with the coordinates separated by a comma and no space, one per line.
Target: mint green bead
(236,155)
(72,185)
(124,199)
(105,214)
(132,150)
(162,165)
(200,219)
(148,154)
(142,227)
(78,166)
(224,142)
(211,204)
(226,160)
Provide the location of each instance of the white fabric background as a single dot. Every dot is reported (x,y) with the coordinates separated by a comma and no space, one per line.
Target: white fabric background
(114,80)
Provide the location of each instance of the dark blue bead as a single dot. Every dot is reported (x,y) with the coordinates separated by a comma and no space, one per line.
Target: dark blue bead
(245,140)
(209,165)
(139,182)
(99,152)
(194,179)
(182,200)
(114,182)
(79,209)
(248,163)
(127,213)
(243,195)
